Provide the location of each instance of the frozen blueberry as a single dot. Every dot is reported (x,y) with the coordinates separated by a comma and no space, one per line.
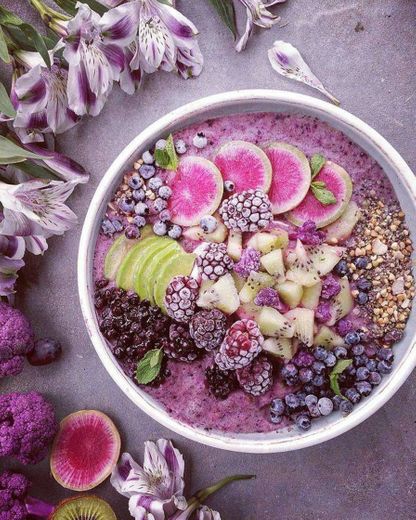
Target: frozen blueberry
(208,224)
(320,353)
(305,375)
(361,262)
(118,225)
(159,205)
(318,380)
(147,171)
(175,231)
(45,351)
(362,373)
(292,401)
(385,354)
(132,232)
(165,192)
(318,367)
(135,182)
(303,422)
(364,284)
(276,419)
(161,144)
(311,400)
(107,227)
(180,146)
(357,350)
(375,378)
(364,388)
(384,367)
(360,361)
(139,221)
(341,352)
(164,215)
(148,157)
(289,370)
(155,183)
(126,205)
(277,406)
(341,269)
(301,397)
(229,186)
(352,395)
(141,209)
(349,371)
(371,365)
(336,401)
(325,406)
(352,338)
(362,298)
(330,360)
(346,407)
(160,228)
(139,195)
(199,140)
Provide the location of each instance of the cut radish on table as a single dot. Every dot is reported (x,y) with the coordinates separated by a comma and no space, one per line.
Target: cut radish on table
(337,181)
(197,191)
(291,176)
(85,450)
(245,164)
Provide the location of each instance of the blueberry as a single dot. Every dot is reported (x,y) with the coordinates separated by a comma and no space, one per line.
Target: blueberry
(275,419)
(208,224)
(364,284)
(305,375)
(175,231)
(314,411)
(385,354)
(341,269)
(147,171)
(45,351)
(139,195)
(292,401)
(361,262)
(362,373)
(336,401)
(199,140)
(289,370)
(107,227)
(362,298)
(330,360)
(165,192)
(135,182)
(352,338)
(318,380)
(277,406)
(148,157)
(303,422)
(309,388)
(357,350)
(346,407)
(160,144)
(318,367)
(139,221)
(320,353)
(159,205)
(375,378)
(118,225)
(352,395)
(131,232)
(126,205)
(341,352)
(229,186)
(384,367)
(364,388)
(141,209)
(311,400)
(164,215)
(155,183)
(301,397)
(160,228)
(180,146)
(325,406)
(360,361)
(371,365)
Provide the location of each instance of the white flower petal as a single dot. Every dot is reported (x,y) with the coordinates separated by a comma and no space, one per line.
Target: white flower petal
(205,513)
(260,15)
(242,42)
(119,25)
(287,61)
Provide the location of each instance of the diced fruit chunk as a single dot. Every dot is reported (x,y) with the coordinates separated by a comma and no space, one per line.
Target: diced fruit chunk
(279,347)
(290,292)
(263,242)
(282,237)
(301,268)
(272,323)
(116,254)
(310,297)
(303,322)
(342,228)
(324,257)
(222,295)
(196,233)
(342,303)
(273,263)
(327,338)
(255,282)
(179,264)
(235,244)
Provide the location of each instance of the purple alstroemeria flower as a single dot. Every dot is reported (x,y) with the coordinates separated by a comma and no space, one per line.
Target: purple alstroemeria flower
(205,513)
(132,74)
(94,50)
(12,250)
(257,14)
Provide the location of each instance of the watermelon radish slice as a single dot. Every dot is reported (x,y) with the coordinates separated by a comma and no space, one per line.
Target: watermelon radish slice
(197,190)
(336,180)
(291,176)
(85,451)
(245,164)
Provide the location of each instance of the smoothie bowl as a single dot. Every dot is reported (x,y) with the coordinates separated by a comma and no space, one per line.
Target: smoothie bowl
(245,271)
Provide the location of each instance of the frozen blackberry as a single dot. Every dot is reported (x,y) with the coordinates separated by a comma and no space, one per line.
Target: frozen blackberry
(214,261)
(208,328)
(180,298)
(220,382)
(242,343)
(181,346)
(256,378)
(248,210)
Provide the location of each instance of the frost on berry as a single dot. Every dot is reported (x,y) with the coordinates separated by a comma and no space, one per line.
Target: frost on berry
(214,261)
(180,299)
(256,378)
(208,328)
(248,210)
(242,343)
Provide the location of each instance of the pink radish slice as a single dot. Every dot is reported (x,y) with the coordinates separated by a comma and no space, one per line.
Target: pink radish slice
(245,164)
(197,190)
(85,450)
(291,176)
(339,182)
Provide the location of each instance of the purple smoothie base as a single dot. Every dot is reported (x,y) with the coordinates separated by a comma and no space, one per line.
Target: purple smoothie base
(184,394)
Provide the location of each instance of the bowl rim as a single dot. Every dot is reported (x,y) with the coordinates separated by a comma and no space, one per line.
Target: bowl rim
(216,439)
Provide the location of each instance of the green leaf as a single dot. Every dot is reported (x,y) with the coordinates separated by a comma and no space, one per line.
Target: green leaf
(6,106)
(149,366)
(338,369)
(225,8)
(35,170)
(324,196)
(38,42)
(317,163)
(4,52)
(166,158)
(69,6)
(9,18)
(9,151)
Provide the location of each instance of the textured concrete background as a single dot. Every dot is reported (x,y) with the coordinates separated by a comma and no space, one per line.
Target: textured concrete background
(368,473)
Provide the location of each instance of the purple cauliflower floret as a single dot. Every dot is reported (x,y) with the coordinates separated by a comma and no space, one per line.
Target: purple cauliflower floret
(330,287)
(16,340)
(13,491)
(344,326)
(308,234)
(269,297)
(27,426)
(323,312)
(303,358)
(249,261)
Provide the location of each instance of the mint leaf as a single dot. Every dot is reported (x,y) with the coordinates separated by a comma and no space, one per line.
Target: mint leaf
(320,192)
(317,163)
(338,369)
(166,158)
(149,366)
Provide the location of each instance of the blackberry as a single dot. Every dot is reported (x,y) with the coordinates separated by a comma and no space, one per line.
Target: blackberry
(214,261)
(242,343)
(256,378)
(220,382)
(180,299)
(248,210)
(181,346)
(208,328)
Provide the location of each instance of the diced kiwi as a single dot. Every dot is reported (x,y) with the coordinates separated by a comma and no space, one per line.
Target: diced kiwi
(278,347)
(273,263)
(282,238)
(263,242)
(221,295)
(272,323)
(327,338)
(238,280)
(290,292)
(342,303)
(301,269)
(235,244)
(311,295)
(324,257)
(255,282)
(303,323)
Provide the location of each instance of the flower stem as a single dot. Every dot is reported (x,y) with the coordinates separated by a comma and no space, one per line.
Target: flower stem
(53,19)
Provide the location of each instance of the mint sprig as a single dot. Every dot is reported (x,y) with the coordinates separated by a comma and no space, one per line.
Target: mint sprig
(317,163)
(338,369)
(318,188)
(149,366)
(166,157)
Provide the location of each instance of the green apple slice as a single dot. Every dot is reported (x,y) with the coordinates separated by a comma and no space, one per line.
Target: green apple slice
(180,264)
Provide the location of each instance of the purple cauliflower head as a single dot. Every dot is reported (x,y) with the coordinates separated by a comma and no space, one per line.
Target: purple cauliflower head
(13,490)
(249,261)
(308,234)
(270,298)
(323,312)
(27,426)
(16,340)
(330,287)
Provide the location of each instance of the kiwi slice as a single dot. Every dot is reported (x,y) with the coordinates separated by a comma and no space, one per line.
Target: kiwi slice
(88,507)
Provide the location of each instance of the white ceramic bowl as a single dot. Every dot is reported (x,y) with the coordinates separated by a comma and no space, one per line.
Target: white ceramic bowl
(230,103)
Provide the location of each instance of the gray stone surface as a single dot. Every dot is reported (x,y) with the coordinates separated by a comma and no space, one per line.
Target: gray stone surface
(366,474)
